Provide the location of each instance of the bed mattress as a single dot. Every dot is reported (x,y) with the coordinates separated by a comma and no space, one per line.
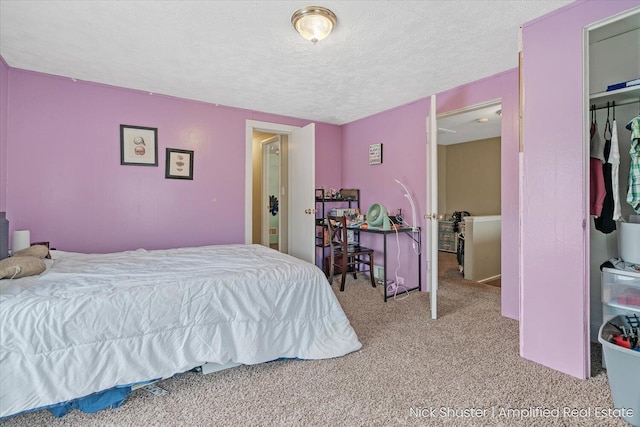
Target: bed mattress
(94,321)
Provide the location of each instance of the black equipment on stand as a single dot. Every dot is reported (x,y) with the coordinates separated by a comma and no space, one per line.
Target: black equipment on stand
(457,218)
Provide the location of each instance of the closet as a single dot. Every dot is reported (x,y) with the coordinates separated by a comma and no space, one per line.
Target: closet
(613,58)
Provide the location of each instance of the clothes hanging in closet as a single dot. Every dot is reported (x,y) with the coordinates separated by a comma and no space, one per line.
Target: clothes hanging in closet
(614,161)
(596,178)
(605,222)
(597,190)
(595,143)
(633,192)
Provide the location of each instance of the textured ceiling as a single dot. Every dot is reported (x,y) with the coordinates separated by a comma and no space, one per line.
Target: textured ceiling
(470,125)
(246,54)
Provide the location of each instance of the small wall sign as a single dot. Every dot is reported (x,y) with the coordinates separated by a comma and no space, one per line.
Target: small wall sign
(375,154)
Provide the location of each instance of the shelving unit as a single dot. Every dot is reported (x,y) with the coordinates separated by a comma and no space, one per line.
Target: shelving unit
(624,96)
(346,198)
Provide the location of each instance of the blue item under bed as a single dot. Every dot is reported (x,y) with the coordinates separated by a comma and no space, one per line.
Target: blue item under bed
(108,399)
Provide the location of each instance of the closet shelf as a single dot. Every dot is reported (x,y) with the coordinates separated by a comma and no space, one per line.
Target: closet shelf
(622,96)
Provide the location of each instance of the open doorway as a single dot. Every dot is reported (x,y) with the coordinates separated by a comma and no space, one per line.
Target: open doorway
(297,183)
(269,198)
(469,194)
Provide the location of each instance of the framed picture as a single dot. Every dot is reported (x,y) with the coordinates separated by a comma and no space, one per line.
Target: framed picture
(138,145)
(375,154)
(179,164)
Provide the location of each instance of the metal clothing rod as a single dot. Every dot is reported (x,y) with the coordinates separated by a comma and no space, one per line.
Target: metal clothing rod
(618,104)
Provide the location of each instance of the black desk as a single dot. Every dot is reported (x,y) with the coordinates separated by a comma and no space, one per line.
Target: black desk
(413,233)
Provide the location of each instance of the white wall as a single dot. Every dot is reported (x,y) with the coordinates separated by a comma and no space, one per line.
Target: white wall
(482,248)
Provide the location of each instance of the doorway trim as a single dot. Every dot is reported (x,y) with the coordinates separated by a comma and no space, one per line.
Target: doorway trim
(469,108)
(250,126)
(434,173)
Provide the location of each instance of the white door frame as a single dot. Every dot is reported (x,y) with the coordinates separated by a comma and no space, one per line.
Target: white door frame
(490,103)
(300,221)
(432,207)
(432,191)
(250,126)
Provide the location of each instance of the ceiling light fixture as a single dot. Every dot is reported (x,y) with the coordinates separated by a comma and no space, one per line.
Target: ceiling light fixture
(314,23)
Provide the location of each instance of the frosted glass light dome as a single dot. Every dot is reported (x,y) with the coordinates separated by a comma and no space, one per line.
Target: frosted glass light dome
(314,23)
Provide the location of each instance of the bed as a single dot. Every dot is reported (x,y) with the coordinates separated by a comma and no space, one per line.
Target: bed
(94,322)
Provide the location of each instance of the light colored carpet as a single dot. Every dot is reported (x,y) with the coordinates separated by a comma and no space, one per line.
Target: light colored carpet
(467,359)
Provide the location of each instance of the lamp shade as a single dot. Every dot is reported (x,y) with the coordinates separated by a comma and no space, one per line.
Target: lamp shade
(314,23)
(21,240)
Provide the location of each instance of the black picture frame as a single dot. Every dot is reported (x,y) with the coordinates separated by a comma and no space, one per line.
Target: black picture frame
(138,145)
(179,164)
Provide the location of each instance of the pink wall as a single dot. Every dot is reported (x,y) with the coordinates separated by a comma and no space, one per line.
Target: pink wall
(65,182)
(555,287)
(4,111)
(402,131)
(328,156)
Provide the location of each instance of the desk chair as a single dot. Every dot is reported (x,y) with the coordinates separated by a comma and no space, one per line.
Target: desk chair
(344,257)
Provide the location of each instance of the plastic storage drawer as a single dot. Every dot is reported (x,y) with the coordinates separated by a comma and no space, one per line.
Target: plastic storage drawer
(621,288)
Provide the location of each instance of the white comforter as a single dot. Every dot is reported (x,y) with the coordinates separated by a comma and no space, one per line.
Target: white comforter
(94,321)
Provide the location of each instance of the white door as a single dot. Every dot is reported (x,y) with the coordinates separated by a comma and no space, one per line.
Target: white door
(302,172)
(432,208)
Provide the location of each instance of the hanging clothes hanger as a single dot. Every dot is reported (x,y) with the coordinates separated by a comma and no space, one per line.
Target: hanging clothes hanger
(607,125)
(593,127)
(614,110)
